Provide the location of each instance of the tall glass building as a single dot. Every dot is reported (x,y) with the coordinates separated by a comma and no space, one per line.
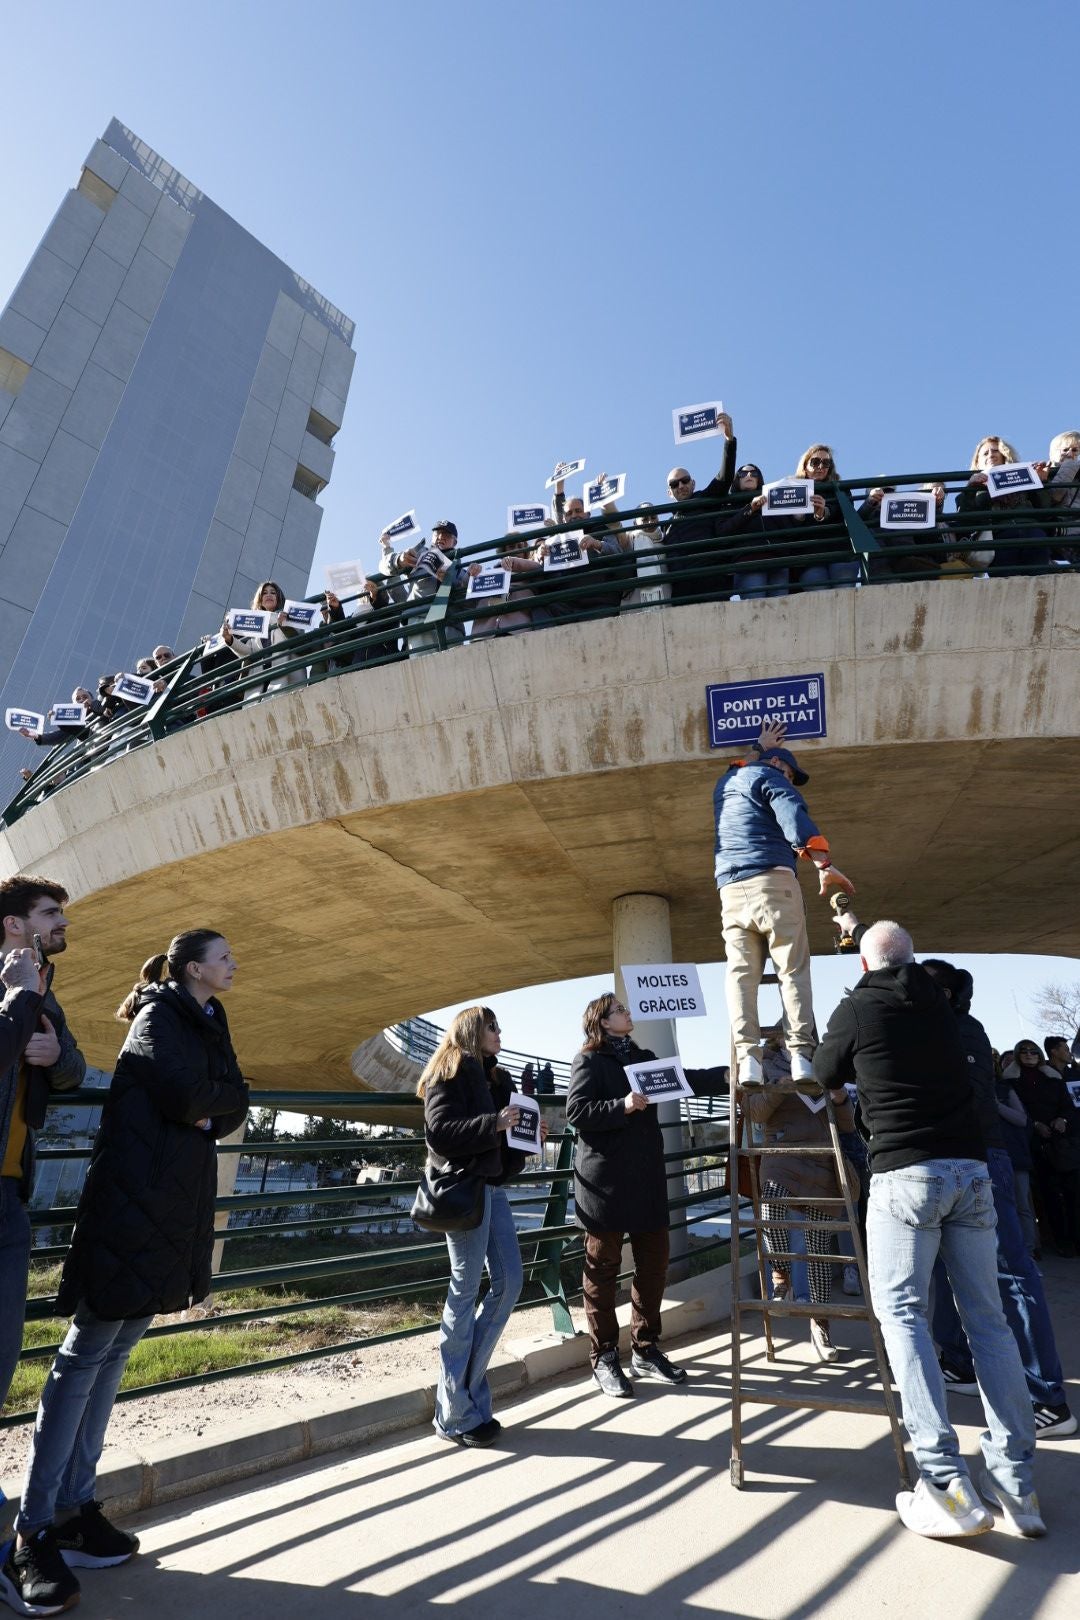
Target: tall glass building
(169,396)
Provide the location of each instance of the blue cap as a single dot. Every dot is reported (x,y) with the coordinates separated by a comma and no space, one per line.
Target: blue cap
(786,757)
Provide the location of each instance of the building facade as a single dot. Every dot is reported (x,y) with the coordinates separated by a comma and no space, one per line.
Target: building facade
(169,395)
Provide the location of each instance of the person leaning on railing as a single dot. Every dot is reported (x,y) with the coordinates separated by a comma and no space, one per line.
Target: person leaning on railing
(1000,538)
(1062,483)
(142,1244)
(268,598)
(466,1116)
(911,565)
(620,1189)
(681,532)
(423,581)
(370,596)
(819,463)
(754,576)
(515,610)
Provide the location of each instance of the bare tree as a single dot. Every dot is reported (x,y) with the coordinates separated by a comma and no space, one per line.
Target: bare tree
(1057,1008)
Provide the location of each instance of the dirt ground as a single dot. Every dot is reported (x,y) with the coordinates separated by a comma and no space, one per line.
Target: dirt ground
(194,1412)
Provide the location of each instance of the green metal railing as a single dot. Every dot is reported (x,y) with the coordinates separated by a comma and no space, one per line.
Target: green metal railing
(697,571)
(546,1250)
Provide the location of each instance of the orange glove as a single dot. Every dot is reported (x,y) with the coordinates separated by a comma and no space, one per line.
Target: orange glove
(830,877)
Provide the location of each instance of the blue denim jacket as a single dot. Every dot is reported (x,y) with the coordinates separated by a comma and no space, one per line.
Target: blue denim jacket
(760,821)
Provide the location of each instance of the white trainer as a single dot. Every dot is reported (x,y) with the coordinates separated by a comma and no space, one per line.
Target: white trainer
(750,1073)
(944,1513)
(802,1067)
(1021,1513)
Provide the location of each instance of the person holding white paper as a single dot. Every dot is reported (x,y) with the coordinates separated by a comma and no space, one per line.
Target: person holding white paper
(1011,524)
(819,464)
(620,1188)
(754,576)
(795,1120)
(1062,480)
(269,598)
(370,597)
(682,533)
(909,565)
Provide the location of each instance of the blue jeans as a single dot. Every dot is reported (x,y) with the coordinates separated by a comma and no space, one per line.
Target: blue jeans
(819,576)
(1022,1296)
(76,1404)
(469,1332)
(762,582)
(14,1267)
(947,1206)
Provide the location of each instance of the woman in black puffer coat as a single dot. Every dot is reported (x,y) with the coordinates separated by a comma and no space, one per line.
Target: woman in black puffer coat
(144,1230)
(620,1187)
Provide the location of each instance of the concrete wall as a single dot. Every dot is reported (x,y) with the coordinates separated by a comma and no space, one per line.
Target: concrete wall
(394,839)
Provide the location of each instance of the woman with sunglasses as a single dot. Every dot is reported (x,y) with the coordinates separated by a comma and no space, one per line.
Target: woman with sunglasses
(753,576)
(818,463)
(620,1188)
(1009,518)
(466,1117)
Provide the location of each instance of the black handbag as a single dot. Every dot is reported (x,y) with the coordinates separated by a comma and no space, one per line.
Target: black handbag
(450,1200)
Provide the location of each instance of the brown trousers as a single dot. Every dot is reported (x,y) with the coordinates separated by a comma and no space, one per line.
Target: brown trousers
(603,1252)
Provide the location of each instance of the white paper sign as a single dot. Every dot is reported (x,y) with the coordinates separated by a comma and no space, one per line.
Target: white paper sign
(526,517)
(489,582)
(214,644)
(68,714)
(788,497)
(659,1080)
(815,1104)
(602,490)
(565,553)
(913,511)
(24,720)
(344,578)
(525,1135)
(302,615)
(1073,1088)
(664,990)
(401,527)
(248,621)
(134,689)
(430,560)
(1015,478)
(564,470)
(697,421)
(852,1090)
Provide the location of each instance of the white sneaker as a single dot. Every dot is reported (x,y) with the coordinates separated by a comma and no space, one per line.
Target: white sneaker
(802,1067)
(1021,1513)
(750,1072)
(821,1340)
(942,1513)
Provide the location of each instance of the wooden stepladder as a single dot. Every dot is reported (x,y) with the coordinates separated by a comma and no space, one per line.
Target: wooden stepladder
(846,1222)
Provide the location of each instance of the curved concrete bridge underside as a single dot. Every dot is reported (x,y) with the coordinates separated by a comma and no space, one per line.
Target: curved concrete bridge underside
(395,839)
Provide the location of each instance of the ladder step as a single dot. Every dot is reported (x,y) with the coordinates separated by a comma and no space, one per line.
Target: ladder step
(766,1152)
(809,1404)
(855,1313)
(819,1226)
(832,1199)
(784,1088)
(829,1259)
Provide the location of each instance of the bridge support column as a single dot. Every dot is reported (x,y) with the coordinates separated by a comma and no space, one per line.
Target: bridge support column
(641,926)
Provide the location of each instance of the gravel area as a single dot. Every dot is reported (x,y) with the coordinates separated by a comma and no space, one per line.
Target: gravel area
(194,1412)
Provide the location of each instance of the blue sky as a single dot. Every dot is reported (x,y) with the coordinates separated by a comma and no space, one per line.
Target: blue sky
(554,223)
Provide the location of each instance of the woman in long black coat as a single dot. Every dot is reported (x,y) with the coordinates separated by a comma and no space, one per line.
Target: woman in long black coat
(620,1188)
(142,1244)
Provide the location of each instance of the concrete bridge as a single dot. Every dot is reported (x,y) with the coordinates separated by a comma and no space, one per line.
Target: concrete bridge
(396,838)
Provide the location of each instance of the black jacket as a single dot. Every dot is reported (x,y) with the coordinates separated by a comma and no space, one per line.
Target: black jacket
(459,1122)
(1011,518)
(980,1060)
(685,528)
(1046,1097)
(620,1178)
(20,1017)
(896,1036)
(144,1230)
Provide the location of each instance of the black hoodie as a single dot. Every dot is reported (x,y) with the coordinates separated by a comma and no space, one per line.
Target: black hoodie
(895,1035)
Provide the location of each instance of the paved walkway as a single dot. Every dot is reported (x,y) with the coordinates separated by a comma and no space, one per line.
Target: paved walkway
(610,1508)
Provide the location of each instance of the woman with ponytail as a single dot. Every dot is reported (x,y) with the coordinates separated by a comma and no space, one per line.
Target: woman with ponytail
(142,1243)
(466,1117)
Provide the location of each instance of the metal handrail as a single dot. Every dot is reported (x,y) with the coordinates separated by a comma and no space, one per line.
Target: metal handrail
(430,624)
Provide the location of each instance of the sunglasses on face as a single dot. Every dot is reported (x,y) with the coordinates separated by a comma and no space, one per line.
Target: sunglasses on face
(819,461)
(675,483)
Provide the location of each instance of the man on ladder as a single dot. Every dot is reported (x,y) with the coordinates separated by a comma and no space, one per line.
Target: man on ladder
(762,826)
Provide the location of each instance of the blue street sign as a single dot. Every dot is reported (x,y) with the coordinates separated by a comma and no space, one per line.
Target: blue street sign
(737,708)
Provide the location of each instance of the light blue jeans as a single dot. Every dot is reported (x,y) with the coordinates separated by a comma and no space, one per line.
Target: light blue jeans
(76,1404)
(819,576)
(469,1332)
(947,1206)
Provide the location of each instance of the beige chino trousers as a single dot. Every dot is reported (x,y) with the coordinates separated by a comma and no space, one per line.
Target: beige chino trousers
(764,916)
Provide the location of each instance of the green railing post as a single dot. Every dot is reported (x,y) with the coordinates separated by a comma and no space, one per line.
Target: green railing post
(157,716)
(550,1251)
(428,633)
(862,540)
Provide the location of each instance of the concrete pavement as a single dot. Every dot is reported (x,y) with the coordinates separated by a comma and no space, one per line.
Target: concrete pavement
(620,1508)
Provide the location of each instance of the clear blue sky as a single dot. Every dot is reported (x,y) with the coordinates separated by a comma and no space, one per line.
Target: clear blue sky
(554,223)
